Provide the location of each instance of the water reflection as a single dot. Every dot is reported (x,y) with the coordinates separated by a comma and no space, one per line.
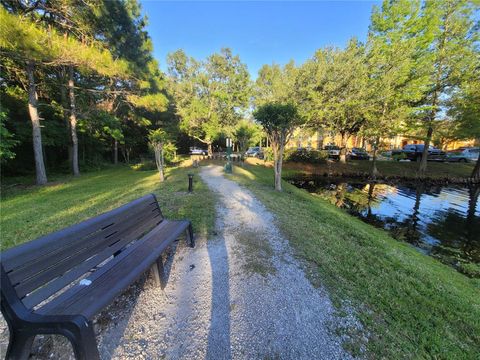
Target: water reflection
(442,221)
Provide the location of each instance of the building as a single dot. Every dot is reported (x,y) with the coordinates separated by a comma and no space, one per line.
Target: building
(311,139)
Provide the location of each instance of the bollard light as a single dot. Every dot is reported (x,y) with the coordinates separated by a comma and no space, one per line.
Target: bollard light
(190,183)
(228,165)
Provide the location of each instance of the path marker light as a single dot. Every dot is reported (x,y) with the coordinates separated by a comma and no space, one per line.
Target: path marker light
(190,183)
(228,165)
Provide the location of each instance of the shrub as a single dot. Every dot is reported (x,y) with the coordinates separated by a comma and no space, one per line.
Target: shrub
(169,152)
(401,156)
(305,156)
(267,154)
(145,165)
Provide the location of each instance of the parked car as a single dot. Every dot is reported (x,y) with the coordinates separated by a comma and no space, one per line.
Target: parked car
(468,154)
(413,152)
(197,151)
(255,151)
(333,151)
(358,154)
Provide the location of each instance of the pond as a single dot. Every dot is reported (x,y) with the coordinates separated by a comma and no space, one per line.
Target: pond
(441,221)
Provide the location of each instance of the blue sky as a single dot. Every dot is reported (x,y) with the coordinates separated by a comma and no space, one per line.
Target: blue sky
(261,32)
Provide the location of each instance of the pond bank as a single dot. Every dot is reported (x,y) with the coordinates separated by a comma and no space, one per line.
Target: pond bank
(389,171)
(439,220)
(412,305)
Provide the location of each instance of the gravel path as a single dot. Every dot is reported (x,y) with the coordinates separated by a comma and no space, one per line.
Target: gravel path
(239,295)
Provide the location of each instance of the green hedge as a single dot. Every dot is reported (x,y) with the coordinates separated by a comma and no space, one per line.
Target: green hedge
(305,156)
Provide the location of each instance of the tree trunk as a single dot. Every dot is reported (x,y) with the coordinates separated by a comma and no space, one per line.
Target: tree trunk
(374,172)
(126,154)
(63,97)
(423,160)
(36,130)
(73,122)
(476,171)
(159,161)
(115,151)
(210,149)
(343,149)
(278,160)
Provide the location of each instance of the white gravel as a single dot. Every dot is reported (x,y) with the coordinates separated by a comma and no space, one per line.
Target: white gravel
(239,295)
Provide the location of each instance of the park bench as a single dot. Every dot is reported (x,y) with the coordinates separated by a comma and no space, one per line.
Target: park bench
(56,284)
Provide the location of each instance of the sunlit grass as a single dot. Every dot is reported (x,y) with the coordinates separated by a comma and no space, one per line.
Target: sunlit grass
(29,212)
(411,305)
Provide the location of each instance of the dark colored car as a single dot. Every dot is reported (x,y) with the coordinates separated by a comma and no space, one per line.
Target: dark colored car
(413,152)
(358,154)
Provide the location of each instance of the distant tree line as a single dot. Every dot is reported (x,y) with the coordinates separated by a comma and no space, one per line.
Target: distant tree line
(417,72)
(79,83)
(77,78)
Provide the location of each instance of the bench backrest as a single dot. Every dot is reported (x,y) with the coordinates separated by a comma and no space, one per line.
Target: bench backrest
(42,267)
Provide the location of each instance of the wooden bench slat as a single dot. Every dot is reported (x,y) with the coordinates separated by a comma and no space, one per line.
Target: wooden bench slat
(46,268)
(90,301)
(72,274)
(69,243)
(29,251)
(116,275)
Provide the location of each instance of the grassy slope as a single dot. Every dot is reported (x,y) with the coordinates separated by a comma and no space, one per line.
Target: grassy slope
(412,305)
(27,213)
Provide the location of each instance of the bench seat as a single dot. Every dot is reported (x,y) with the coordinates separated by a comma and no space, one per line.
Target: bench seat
(110,280)
(58,283)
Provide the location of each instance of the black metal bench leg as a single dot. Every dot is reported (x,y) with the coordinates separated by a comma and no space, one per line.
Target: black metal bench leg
(84,343)
(190,238)
(19,346)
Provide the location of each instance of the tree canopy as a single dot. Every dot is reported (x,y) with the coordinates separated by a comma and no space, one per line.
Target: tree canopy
(80,85)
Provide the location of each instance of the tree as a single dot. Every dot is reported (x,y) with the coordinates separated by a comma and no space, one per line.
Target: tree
(278,121)
(247,134)
(158,139)
(7,141)
(333,85)
(209,96)
(465,110)
(394,86)
(450,56)
(31,45)
(276,84)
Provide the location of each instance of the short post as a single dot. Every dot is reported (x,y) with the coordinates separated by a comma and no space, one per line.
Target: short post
(228,165)
(190,183)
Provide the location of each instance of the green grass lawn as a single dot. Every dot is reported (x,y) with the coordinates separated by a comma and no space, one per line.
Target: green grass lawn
(386,168)
(411,305)
(28,212)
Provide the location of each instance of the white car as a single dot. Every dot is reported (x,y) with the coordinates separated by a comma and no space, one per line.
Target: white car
(468,154)
(333,151)
(254,152)
(197,151)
